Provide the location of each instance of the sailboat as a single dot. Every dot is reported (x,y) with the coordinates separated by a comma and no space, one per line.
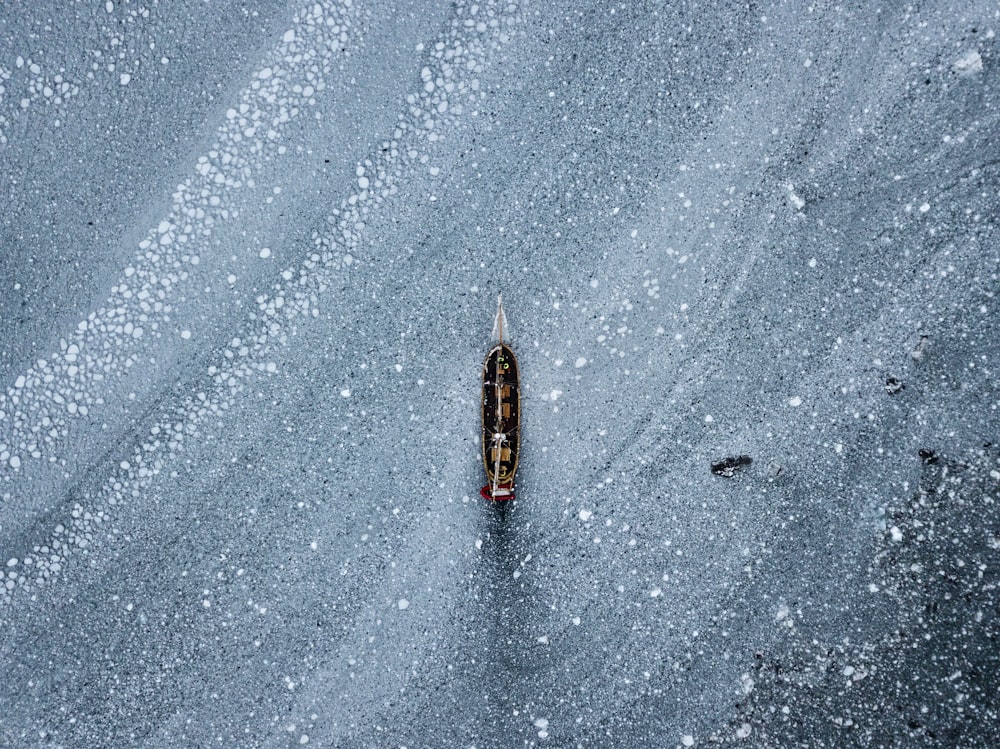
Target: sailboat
(501,415)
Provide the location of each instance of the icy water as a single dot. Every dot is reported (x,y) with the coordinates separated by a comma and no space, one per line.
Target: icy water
(249,259)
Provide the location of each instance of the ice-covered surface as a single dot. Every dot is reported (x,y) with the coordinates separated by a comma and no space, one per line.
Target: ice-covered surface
(249,258)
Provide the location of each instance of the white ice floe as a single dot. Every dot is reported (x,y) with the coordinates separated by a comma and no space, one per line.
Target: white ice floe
(968,64)
(796,201)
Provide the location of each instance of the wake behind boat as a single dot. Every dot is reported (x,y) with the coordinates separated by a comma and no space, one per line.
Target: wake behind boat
(501,415)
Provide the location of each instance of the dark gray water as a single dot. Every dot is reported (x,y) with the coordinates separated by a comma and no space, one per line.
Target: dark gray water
(249,259)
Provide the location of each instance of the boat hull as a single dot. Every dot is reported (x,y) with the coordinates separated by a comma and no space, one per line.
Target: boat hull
(501,422)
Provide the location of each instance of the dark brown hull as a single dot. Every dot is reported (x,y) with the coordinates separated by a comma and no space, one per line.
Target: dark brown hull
(501,416)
